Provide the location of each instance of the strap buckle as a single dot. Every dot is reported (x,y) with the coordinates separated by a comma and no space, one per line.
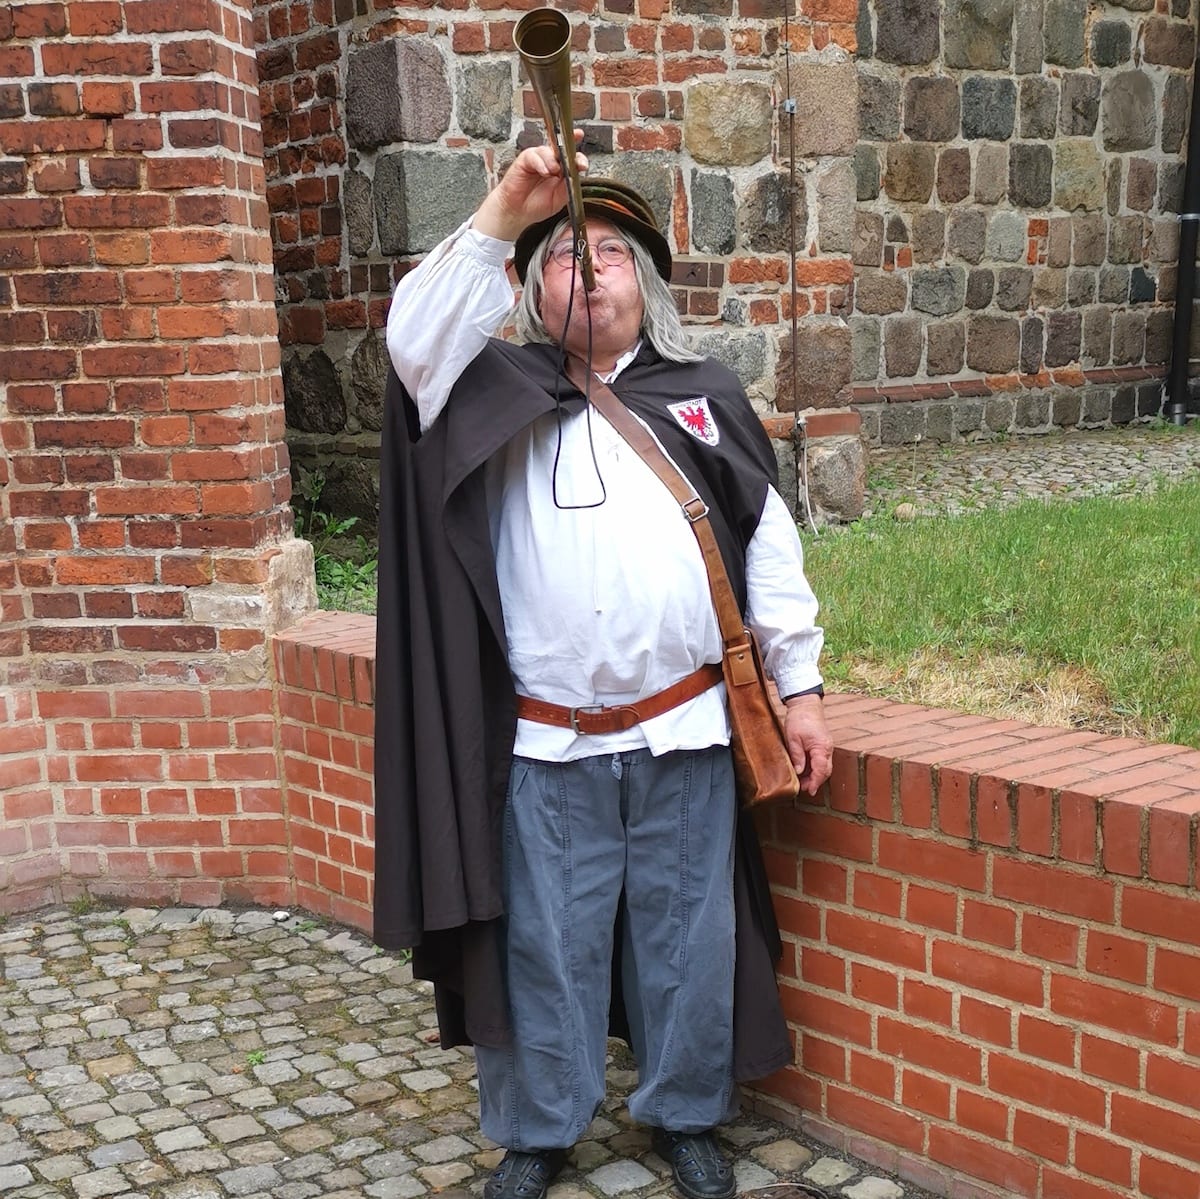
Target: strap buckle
(695,509)
(573,715)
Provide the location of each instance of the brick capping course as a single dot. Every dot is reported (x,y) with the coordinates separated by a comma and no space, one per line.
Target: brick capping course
(995,384)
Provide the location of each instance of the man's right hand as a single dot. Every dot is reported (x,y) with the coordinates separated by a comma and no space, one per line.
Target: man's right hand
(532,189)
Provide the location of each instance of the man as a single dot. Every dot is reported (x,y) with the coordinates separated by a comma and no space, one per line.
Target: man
(558,871)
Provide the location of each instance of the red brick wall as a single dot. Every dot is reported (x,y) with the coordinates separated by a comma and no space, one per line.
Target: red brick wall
(993,953)
(992,933)
(144,529)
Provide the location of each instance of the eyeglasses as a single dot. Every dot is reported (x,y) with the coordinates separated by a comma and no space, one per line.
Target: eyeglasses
(611,251)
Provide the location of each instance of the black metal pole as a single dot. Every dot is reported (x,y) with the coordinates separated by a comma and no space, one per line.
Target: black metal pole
(1185,285)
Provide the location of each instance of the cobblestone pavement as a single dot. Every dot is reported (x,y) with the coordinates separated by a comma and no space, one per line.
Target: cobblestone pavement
(204,1053)
(959,478)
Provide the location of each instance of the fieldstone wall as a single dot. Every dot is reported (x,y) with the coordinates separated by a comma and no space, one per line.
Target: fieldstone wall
(985,195)
(1018,178)
(385,128)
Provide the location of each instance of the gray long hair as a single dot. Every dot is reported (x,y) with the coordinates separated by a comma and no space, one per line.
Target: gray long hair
(661,325)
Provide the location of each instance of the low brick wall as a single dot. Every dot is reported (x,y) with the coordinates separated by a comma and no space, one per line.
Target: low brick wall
(992,932)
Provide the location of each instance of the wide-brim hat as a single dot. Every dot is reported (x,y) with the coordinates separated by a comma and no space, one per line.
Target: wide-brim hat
(608,200)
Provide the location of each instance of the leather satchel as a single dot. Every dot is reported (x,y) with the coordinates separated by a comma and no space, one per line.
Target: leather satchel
(761,762)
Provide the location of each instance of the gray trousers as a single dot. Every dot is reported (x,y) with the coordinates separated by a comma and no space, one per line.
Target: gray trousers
(576,836)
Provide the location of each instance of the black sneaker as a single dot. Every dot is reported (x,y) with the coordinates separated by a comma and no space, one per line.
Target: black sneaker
(524,1175)
(700,1169)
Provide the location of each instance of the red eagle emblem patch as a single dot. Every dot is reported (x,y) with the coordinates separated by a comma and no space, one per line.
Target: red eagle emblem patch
(696,417)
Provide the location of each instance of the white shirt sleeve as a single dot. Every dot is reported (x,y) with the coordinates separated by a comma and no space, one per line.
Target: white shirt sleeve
(443,313)
(781,608)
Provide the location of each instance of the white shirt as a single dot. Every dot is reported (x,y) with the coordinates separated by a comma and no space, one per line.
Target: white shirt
(603,604)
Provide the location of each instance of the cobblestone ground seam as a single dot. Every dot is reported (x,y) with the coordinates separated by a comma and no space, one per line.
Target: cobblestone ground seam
(203,1053)
(962,478)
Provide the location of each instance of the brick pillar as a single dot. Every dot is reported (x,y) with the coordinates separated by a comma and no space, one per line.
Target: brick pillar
(146,548)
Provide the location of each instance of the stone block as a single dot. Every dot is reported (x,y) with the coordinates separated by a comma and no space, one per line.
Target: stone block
(1081,287)
(1066,407)
(837,478)
(991,173)
(993,344)
(900,424)
(968,416)
(979,34)
(485,100)
(1128,338)
(1063,25)
(744,353)
(396,90)
(981,286)
(1111,43)
(998,413)
(825,360)
(1127,107)
(1030,171)
(827,108)
(864,34)
(909,173)
(368,376)
(1039,107)
(652,176)
(878,108)
(902,347)
(931,108)
(359,212)
(939,427)
(728,124)
(836,195)
(954,174)
(939,291)
(421,196)
(1159,328)
(946,341)
(1170,186)
(868,240)
(897,230)
(1063,332)
(1163,243)
(989,107)
(1096,344)
(880,292)
(907,31)
(1112,185)
(312,394)
(967,233)
(866,172)
(1141,286)
(766,207)
(1006,237)
(1079,175)
(1079,109)
(1058,242)
(1049,288)
(1176,101)
(1097,406)
(1113,285)
(929,235)
(1141,180)
(1032,411)
(1027,37)
(352,489)
(1124,405)
(1014,286)
(1032,331)
(1125,239)
(1088,239)
(865,335)
(714,212)
(1168,43)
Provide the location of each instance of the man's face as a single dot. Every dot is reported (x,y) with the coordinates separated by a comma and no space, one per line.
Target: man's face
(615,305)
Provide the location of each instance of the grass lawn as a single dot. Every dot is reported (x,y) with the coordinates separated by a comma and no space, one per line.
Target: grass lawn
(1082,614)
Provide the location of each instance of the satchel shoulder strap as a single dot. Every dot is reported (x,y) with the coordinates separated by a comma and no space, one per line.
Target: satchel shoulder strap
(611,407)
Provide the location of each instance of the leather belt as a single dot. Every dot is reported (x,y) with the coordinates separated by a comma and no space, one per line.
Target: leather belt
(596,718)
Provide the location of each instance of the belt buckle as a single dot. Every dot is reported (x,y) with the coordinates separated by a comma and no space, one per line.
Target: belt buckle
(574,717)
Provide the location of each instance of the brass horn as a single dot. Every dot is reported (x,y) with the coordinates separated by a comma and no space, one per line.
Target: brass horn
(543,40)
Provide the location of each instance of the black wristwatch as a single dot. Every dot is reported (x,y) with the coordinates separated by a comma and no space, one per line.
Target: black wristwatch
(817,690)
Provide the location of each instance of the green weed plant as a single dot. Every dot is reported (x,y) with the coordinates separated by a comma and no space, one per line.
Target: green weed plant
(345,563)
